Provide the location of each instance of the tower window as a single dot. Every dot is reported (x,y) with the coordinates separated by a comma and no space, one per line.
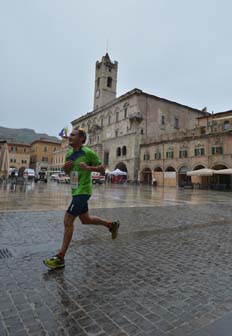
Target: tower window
(124,150)
(118,151)
(109,82)
(162,120)
(98,82)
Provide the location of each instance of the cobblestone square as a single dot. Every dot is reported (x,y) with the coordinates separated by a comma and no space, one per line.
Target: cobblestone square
(168,273)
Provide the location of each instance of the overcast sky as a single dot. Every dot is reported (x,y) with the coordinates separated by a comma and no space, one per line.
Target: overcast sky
(177,49)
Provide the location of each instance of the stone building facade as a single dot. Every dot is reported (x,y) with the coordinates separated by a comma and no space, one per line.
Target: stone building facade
(19,154)
(58,156)
(118,127)
(170,157)
(42,153)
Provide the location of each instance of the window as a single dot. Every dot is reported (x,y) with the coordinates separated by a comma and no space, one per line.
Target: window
(109,82)
(157,156)
(106,158)
(45,159)
(217,150)
(101,122)
(146,156)
(98,82)
(124,150)
(118,151)
(226,125)
(45,149)
(176,123)
(116,133)
(125,110)
(109,120)
(199,151)
(117,116)
(13,149)
(162,120)
(183,153)
(170,154)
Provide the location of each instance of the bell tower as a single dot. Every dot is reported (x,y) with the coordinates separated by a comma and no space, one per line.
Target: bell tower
(105,81)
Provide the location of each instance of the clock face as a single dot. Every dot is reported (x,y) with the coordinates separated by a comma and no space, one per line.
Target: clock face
(97,93)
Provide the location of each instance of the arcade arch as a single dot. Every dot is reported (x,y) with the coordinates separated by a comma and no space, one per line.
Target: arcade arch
(146,176)
(158,175)
(121,166)
(224,179)
(182,177)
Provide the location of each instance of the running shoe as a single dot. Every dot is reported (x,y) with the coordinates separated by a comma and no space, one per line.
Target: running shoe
(114,229)
(54,262)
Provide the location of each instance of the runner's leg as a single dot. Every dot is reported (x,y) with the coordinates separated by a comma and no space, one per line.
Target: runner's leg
(85,218)
(68,233)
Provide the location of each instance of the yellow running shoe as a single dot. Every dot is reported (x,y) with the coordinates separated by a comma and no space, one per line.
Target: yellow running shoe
(114,229)
(54,262)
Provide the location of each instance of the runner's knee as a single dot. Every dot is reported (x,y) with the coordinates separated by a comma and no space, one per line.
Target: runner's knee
(84,219)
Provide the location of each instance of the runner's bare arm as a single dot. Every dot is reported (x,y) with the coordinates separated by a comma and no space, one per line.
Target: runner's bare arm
(67,167)
(99,169)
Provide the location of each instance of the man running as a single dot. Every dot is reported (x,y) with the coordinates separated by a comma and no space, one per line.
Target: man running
(81,161)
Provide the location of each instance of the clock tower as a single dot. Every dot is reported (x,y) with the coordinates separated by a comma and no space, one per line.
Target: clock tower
(105,81)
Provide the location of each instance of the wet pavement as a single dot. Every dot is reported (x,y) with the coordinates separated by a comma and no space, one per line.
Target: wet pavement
(168,273)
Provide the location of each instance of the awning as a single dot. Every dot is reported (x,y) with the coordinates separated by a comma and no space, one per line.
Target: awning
(227,171)
(4,161)
(201,172)
(118,172)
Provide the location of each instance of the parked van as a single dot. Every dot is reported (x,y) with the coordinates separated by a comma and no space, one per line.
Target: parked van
(29,174)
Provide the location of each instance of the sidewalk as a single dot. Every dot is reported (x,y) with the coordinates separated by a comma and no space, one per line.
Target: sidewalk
(168,273)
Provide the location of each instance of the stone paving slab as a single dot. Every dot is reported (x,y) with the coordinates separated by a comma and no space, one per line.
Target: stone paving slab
(164,275)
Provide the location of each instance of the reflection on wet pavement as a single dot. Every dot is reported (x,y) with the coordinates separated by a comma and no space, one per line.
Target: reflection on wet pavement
(53,196)
(168,273)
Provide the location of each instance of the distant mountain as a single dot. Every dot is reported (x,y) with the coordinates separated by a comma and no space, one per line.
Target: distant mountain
(24,135)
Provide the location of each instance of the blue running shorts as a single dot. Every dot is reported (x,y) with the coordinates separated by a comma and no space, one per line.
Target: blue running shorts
(79,205)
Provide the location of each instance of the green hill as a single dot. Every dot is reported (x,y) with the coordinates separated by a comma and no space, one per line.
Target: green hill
(24,135)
